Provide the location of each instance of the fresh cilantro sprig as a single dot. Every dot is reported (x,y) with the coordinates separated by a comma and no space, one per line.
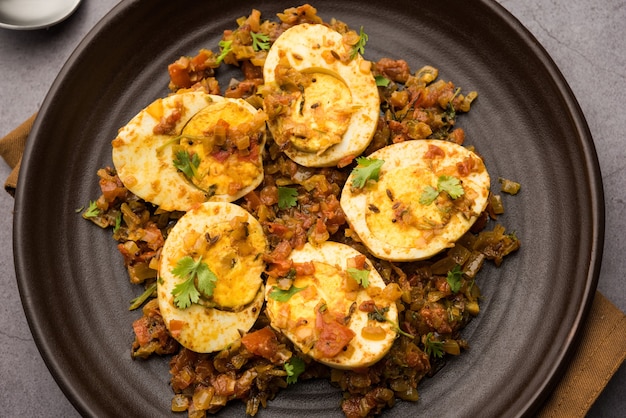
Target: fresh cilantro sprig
(379,315)
(294,369)
(260,41)
(187,163)
(454,278)
(287,197)
(226,46)
(433,347)
(198,278)
(359,47)
(367,169)
(449,184)
(361,276)
(281,295)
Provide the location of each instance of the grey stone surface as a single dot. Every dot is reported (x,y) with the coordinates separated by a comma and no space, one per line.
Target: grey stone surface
(586,39)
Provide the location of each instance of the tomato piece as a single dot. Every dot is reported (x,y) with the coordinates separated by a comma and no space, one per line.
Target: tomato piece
(333,337)
(179,73)
(140,326)
(261,343)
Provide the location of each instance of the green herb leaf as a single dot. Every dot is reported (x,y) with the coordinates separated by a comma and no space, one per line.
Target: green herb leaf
(450,185)
(428,195)
(92,211)
(284,295)
(382,81)
(188,292)
(433,347)
(367,169)
(260,41)
(359,47)
(379,315)
(361,276)
(287,197)
(226,46)
(294,369)
(454,278)
(186,163)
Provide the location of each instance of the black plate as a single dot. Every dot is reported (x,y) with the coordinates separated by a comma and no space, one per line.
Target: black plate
(526,123)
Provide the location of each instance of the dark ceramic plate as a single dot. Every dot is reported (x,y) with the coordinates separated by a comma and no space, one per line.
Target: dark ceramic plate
(526,123)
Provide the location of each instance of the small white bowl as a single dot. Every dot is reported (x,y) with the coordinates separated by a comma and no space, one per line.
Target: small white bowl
(34,14)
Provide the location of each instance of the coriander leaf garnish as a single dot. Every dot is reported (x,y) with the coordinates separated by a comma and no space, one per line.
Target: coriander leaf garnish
(198,278)
(294,368)
(361,276)
(260,41)
(367,169)
(449,184)
(226,46)
(382,81)
(284,295)
(359,47)
(92,211)
(433,347)
(428,195)
(379,315)
(287,197)
(187,163)
(454,278)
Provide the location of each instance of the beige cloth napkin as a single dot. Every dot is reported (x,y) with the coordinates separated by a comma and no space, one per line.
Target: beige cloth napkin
(601,351)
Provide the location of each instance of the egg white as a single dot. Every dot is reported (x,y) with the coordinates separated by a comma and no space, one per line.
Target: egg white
(207,231)
(410,167)
(343,99)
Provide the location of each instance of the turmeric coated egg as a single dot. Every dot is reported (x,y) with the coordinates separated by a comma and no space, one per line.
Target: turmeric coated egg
(228,243)
(334,307)
(428,194)
(190,148)
(321,99)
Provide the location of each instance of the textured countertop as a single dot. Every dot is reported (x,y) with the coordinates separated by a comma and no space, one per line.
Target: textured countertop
(586,39)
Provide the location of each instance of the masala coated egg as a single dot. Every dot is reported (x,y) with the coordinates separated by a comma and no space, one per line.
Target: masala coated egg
(189,148)
(428,194)
(321,98)
(330,315)
(231,243)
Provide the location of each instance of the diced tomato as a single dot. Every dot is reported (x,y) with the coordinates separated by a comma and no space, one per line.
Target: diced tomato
(262,343)
(304,269)
(179,73)
(140,326)
(357,262)
(153,236)
(333,336)
(434,152)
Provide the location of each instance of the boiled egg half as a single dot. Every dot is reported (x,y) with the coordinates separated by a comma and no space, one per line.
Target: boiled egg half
(322,100)
(330,315)
(230,243)
(427,195)
(190,148)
